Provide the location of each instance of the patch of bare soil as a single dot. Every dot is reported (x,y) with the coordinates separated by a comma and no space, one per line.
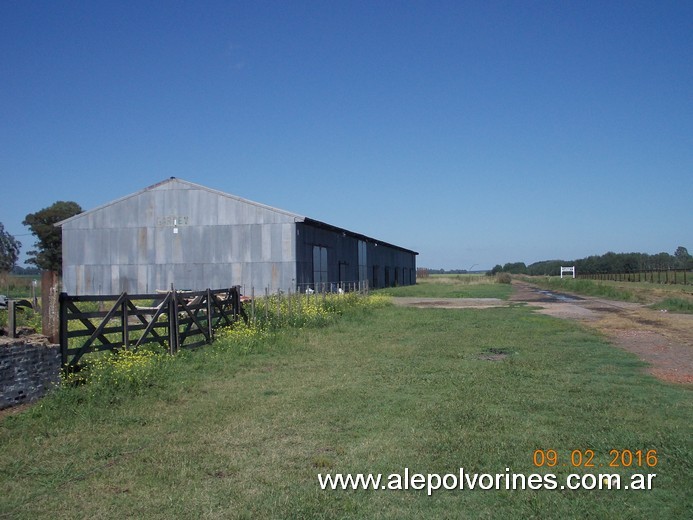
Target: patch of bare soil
(670,361)
(449,303)
(6,412)
(495,354)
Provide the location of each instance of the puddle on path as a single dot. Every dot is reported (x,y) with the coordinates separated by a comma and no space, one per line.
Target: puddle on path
(550,296)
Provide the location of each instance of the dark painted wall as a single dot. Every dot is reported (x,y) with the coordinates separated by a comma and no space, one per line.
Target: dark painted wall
(385,265)
(388,266)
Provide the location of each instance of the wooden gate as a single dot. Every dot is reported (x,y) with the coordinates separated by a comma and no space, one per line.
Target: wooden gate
(174,320)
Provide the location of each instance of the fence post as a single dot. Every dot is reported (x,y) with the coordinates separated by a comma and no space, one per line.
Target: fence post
(235,302)
(252,303)
(124,321)
(299,303)
(34,298)
(210,328)
(12,318)
(50,322)
(173,322)
(63,329)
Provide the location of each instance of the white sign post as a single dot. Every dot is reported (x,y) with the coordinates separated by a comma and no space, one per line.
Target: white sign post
(570,269)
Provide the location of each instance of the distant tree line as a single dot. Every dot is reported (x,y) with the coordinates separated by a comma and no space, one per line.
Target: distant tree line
(607,263)
(26,271)
(447,271)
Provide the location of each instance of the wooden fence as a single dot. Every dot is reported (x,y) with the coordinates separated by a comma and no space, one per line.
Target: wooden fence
(174,320)
(12,307)
(663,276)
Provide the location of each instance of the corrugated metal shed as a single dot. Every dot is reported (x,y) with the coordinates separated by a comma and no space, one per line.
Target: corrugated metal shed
(177,232)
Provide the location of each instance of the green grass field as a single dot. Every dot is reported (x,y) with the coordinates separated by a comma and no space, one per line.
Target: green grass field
(19,286)
(452,286)
(230,432)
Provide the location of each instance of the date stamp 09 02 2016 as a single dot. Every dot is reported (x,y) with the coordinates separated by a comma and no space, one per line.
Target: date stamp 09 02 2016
(588,459)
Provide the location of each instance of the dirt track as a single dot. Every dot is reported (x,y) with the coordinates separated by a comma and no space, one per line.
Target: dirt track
(662,339)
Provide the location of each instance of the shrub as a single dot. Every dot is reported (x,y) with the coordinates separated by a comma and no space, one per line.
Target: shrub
(243,337)
(674,305)
(503,278)
(298,310)
(120,370)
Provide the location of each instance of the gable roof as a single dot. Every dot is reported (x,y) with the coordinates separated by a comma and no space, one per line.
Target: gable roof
(175,183)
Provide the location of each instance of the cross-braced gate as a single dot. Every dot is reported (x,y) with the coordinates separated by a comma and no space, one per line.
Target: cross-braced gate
(174,320)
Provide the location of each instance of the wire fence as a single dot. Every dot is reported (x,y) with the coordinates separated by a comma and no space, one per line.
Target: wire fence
(291,305)
(661,276)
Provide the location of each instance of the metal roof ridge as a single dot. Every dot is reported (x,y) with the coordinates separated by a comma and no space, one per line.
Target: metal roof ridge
(296,216)
(238,198)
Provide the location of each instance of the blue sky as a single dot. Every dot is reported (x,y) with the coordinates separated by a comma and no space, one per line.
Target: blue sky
(475,133)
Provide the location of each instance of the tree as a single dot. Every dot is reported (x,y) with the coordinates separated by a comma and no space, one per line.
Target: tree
(661,261)
(683,258)
(497,269)
(48,254)
(26,271)
(547,267)
(9,250)
(515,268)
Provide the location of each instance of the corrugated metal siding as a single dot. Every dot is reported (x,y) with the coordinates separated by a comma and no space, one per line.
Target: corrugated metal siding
(130,245)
